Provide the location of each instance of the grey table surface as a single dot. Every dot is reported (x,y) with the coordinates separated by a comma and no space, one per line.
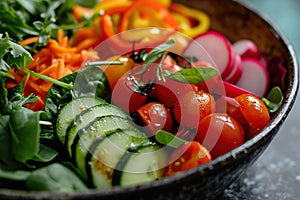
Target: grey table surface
(276,174)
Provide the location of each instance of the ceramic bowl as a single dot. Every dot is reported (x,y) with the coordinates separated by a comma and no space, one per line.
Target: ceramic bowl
(236,20)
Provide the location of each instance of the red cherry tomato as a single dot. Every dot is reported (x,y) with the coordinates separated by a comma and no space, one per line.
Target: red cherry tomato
(255,112)
(220,133)
(192,107)
(156,117)
(186,157)
(123,97)
(171,91)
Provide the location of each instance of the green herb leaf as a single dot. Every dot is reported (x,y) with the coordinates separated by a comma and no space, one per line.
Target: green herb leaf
(25,129)
(156,54)
(56,178)
(168,139)
(194,75)
(274,99)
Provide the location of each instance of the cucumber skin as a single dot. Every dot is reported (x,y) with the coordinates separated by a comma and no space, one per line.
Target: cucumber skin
(118,174)
(84,103)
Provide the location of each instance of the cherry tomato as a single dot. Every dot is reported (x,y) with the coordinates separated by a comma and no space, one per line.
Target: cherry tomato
(192,107)
(123,96)
(171,91)
(187,156)
(255,112)
(230,106)
(156,117)
(220,133)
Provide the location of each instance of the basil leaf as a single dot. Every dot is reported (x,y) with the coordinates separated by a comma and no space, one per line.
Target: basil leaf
(156,54)
(168,139)
(56,178)
(193,75)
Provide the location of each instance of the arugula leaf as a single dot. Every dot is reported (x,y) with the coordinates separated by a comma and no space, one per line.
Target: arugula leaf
(17,56)
(193,75)
(168,139)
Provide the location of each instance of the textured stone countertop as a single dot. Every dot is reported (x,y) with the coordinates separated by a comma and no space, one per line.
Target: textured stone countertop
(276,174)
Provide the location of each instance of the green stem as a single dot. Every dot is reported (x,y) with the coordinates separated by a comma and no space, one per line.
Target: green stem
(51,80)
(96,63)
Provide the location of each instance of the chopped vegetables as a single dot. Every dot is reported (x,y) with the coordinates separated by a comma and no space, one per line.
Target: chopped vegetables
(143,98)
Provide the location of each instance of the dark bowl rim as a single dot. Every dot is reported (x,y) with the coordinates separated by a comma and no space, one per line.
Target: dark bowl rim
(240,151)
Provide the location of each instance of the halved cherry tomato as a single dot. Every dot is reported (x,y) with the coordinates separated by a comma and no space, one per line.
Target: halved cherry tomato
(187,156)
(156,117)
(220,133)
(192,107)
(124,97)
(255,112)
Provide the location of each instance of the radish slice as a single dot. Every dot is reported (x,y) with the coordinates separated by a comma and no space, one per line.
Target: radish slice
(225,88)
(216,46)
(236,71)
(246,49)
(255,77)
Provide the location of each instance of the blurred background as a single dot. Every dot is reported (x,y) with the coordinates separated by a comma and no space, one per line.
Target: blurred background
(276,174)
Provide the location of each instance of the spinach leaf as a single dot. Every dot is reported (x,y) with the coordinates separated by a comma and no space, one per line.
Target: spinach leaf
(25,130)
(90,81)
(56,178)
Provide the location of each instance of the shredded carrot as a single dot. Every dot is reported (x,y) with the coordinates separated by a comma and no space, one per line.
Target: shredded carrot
(28,41)
(60,68)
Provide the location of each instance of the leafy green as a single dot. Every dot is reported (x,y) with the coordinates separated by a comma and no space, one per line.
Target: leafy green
(274,99)
(56,178)
(168,139)
(12,55)
(21,18)
(90,81)
(194,75)
(155,54)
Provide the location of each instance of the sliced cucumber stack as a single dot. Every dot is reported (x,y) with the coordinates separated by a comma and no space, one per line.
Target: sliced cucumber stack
(83,119)
(70,111)
(102,141)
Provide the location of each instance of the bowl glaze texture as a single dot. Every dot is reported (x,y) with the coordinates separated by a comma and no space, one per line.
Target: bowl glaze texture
(236,20)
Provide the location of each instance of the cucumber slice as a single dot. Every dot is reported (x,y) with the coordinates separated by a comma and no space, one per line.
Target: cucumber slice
(70,111)
(98,128)
(105,153)
(140,165)
(85,117)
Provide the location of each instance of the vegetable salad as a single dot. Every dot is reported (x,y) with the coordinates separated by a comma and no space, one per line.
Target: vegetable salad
(83,105)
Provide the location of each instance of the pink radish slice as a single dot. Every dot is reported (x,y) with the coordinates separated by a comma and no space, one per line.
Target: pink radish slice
(236,71)
(212,47)
(255,77)
(225,88)
(246,48)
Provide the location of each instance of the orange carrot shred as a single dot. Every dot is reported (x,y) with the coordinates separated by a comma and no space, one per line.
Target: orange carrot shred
(29,41)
